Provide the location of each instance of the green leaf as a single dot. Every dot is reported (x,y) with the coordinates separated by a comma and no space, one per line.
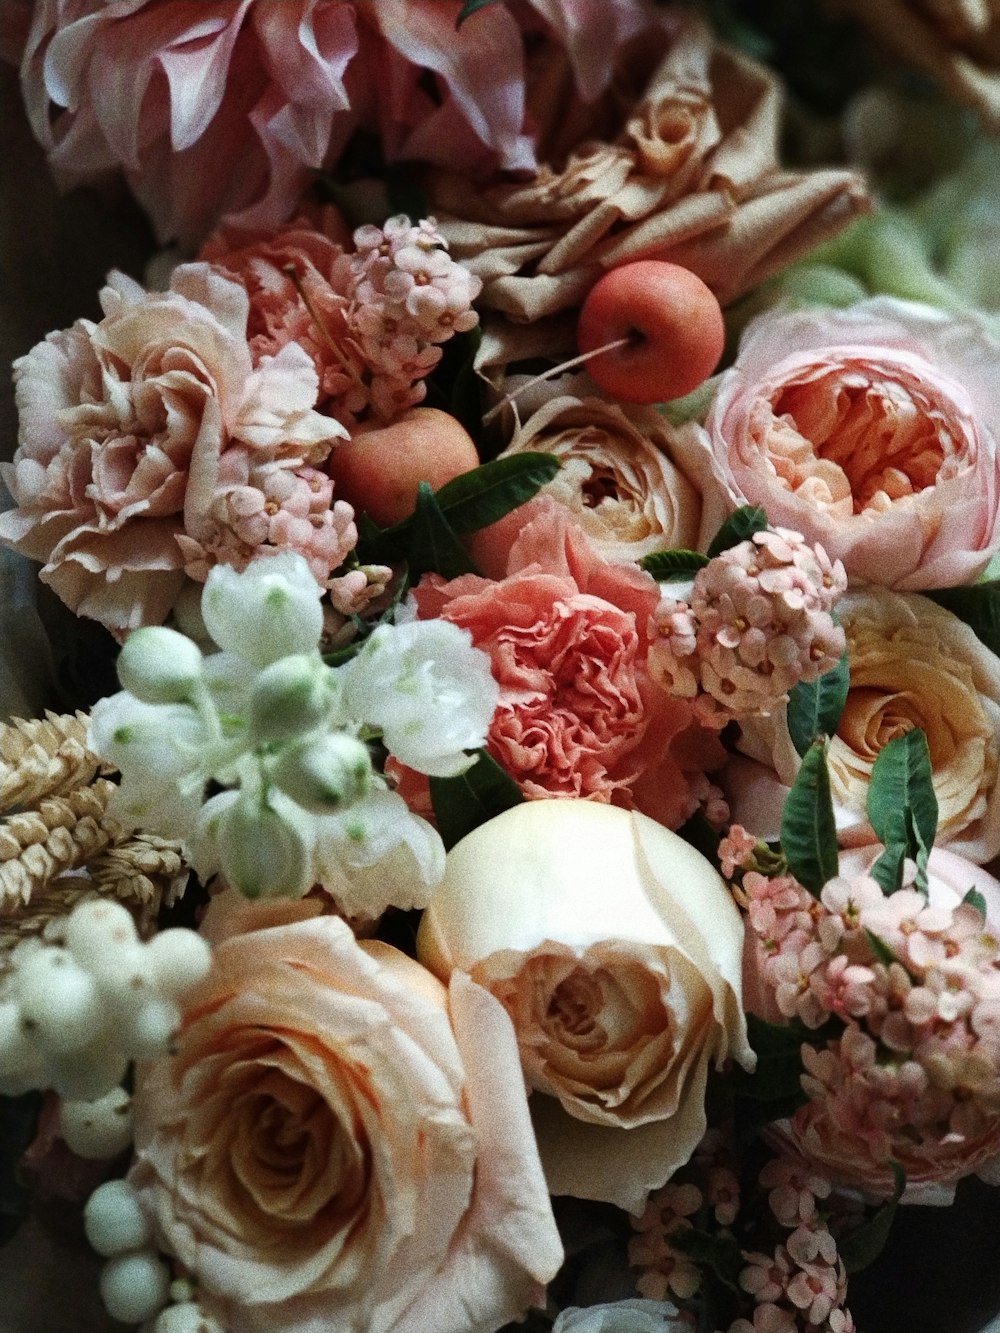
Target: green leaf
(434,547)
(468,502)
(469,8)
(778,1048)
(887,870)
(867,1241)
(975,899)
(477,498)
(719,1252)
(737,528)
(902,807)
(814,707)
(461,804)
(808,831)
(880,949)
(673,564)
(978,605)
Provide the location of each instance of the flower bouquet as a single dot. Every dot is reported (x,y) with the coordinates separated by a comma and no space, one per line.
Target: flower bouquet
(501,676)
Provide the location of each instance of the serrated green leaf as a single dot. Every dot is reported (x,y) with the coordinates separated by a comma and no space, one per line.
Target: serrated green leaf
(975,899)
(814,707)
(978,606)
(902,806)
(434,547)
(738,527)
(673,564)
(462,803)
(477,498)
(808,831)
(864,1245)
(469,8)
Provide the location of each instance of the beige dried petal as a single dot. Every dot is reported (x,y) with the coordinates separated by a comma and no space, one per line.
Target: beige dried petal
(41,757)
(691,177)
(955,42)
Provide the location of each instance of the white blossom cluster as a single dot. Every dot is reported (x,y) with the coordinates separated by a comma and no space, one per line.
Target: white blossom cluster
(76,1011)
(257,757)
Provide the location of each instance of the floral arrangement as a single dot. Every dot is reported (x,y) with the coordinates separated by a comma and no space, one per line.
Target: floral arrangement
(500,834)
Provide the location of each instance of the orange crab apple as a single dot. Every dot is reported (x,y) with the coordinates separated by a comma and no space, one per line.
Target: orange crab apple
(379,469)
(668,323)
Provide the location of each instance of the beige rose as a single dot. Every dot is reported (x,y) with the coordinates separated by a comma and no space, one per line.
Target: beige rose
(691,175)
(624,474)
(615,947)
(913,664)
(339,1142)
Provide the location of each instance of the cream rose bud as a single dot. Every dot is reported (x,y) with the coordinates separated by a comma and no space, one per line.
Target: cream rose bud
(339,1142)
(615,947)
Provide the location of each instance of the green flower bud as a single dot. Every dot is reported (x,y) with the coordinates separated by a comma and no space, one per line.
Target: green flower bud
(290,697)
(159,666)
(326,773)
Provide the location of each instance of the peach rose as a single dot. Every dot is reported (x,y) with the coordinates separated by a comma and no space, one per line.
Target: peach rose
(620,477)
(872,430)
(339,1141)
(567,635)
(615,948)
(913,664)
(123,428)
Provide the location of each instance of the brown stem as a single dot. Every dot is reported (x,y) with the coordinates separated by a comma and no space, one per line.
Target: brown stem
(628,341)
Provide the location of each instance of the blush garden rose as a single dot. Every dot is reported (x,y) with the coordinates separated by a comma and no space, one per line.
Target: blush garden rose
(872,430)
(344,1142)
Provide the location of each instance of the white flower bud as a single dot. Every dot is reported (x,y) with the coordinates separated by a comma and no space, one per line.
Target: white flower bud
(326,773)
(270,610)
(22,1062)
(180,958)
(290,697)
(100,931)
(59,1001)
(158,742)
(90,1073)
(101,1128)
(134,1286)
(188,1317)
(427,689)
(265,846)
(159,666)
(152,1029)
(114,1220)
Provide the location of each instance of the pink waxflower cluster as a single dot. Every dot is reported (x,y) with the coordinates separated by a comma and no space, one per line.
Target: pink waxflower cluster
(757,622)
(792,1277)
(372,319)
(914,1074)
(269,509)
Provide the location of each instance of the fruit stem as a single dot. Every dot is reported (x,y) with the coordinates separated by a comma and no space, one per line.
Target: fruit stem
(628,341)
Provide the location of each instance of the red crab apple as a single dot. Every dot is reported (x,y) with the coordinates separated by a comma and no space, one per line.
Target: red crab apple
(672,323)
(379,468)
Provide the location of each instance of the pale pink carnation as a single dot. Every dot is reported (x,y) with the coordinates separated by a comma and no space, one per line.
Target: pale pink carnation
(567,637)
(873,430)
(124,430)
(223,108)
(372,319)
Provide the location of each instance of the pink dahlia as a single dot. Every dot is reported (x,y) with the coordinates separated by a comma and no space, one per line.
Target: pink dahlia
(169,90)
